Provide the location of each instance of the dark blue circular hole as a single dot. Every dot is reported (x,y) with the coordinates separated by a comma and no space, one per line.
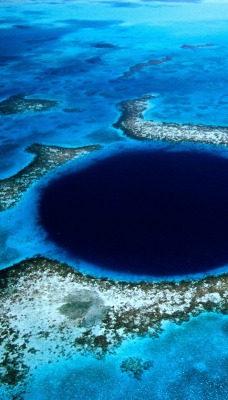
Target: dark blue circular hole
(143,211)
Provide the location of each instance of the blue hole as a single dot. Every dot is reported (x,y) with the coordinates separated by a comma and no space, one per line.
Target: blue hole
(143,211)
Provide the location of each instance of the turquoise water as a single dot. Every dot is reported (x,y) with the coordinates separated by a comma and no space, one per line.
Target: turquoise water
(78,53)
(188,362)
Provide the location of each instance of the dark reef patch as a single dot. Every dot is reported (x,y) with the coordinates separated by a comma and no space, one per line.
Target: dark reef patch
(94,60)
(196,46)
(18,104)
(143,211)
(138,67)
(91,24)
(135,367)
(103,45)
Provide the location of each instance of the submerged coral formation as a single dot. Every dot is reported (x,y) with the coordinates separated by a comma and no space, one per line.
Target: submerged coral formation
(18,104)
(103,45)
(49,310)
(46,159)
(196,46)
(135,366)
(138,67)
(133,124)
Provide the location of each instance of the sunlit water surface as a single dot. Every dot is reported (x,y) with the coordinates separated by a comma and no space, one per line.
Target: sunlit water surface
(78,53)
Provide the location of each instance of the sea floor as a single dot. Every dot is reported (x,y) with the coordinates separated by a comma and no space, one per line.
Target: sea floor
(187,362)
(80,81)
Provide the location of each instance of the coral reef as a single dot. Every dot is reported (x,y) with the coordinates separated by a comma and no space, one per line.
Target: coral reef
(18,104)
(135,367)
(133,124)
(103,45)
(196,46)
(138,67)
(46,159)
(48,310)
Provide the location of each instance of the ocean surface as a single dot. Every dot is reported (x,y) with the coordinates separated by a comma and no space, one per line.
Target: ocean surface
(145,212)
(89,56)
(188,362)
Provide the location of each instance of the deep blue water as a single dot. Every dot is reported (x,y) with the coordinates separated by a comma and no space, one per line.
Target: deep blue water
(148,212)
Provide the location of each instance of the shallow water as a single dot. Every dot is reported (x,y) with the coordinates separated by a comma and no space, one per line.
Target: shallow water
(79,54)
(188,362)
